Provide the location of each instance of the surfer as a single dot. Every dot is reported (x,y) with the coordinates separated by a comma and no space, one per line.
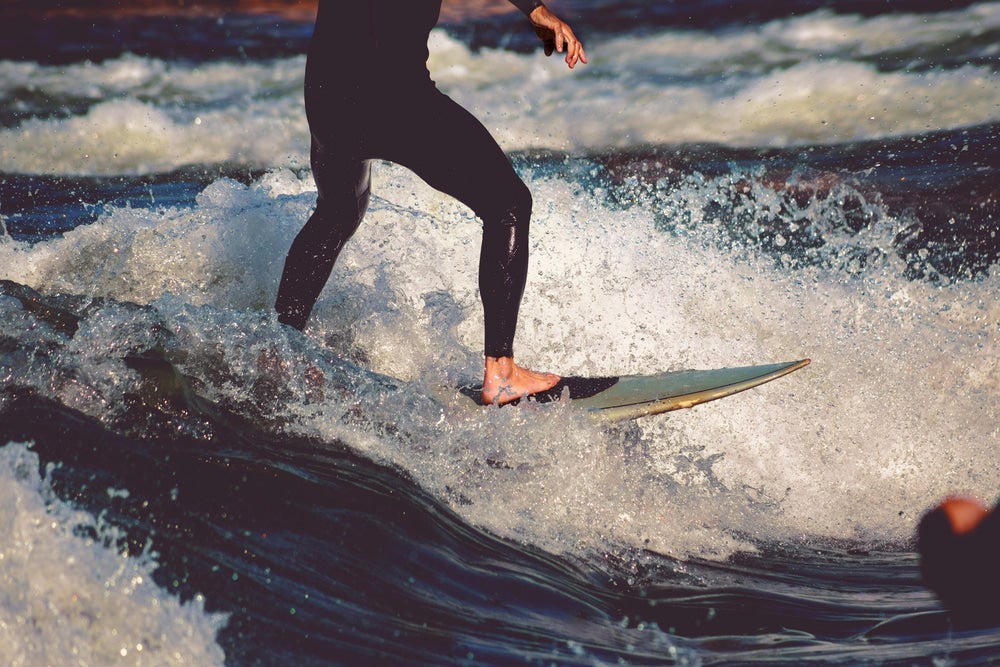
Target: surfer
(959,545)
(369,95)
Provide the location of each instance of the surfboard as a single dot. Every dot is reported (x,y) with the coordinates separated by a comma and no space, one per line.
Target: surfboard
(614,399)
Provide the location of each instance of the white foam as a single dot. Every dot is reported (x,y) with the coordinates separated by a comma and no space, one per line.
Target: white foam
(809,79)
(127,136)
(228,249)
(146,116)
(69,599)
(898,408)
(888,418)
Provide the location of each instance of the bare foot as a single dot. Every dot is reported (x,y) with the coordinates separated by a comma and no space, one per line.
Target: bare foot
(505,381)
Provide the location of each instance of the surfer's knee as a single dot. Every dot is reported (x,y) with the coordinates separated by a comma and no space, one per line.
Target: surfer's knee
(512,214)
(315,250)
(335,219)
(519,211)
(343,194)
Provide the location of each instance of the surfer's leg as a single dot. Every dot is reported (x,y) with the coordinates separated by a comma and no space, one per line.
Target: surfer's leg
(455,154)
(344,188)
(503,270)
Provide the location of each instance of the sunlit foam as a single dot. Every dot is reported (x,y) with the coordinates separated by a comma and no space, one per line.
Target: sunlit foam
(898,407)
(68,598)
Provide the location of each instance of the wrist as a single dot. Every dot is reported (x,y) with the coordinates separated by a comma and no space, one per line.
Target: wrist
(528,7)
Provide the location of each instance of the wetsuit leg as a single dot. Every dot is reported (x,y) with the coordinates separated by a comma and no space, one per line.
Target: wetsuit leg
(453,152)
(503,272)
(344,188)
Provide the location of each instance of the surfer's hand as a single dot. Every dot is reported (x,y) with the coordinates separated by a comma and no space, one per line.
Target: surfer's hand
(556,35)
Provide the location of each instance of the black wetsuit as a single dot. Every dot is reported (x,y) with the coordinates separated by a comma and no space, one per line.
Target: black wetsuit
(368,96)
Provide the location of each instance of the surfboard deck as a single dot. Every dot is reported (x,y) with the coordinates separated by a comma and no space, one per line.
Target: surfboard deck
(613,399)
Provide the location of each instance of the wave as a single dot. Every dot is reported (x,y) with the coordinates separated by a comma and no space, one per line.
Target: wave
(863,416)
(292,540)
(692,211)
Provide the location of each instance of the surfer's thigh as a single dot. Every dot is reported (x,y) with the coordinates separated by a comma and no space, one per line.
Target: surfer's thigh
(453,152)
(339,153)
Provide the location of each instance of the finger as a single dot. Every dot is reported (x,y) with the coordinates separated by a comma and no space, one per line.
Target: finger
(571,44)
(574,54)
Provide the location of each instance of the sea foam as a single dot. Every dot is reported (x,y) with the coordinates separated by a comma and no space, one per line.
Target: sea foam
(897,408)
(70,599)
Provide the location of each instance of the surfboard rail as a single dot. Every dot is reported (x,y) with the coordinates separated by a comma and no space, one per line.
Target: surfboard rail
(644,395)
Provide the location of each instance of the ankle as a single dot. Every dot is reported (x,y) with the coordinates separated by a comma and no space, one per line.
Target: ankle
(499,367)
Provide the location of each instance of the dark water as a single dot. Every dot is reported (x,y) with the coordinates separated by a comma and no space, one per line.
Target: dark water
(725,183)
